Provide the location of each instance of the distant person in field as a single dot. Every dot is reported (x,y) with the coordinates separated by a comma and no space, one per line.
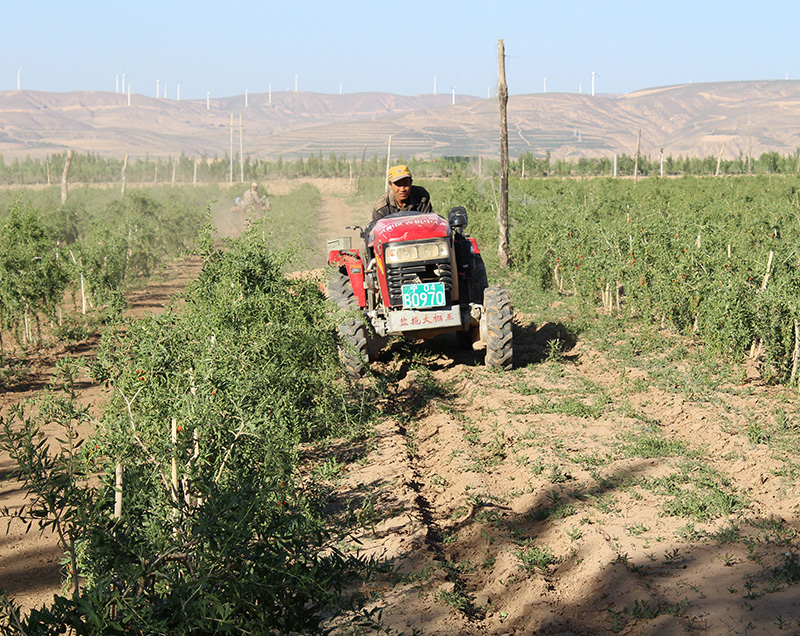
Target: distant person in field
(252,203)
(402,195)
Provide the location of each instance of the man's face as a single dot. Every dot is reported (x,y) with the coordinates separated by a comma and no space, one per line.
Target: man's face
(401,189)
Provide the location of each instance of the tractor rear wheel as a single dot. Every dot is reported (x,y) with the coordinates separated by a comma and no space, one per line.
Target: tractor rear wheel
(353,334)
(496,329)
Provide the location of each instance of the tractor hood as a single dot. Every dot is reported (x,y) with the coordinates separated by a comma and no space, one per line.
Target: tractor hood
(408,227)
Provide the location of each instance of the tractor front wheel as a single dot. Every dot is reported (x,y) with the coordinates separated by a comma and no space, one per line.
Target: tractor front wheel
(496,331)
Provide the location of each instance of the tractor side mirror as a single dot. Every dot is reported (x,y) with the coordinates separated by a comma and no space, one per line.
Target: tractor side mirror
(457,217)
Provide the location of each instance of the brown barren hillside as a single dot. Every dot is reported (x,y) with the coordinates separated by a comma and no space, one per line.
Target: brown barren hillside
(690,120)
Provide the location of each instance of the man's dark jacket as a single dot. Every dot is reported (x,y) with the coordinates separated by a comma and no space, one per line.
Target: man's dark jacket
(418,199)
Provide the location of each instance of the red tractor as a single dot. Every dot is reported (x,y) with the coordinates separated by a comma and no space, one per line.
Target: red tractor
(417,275)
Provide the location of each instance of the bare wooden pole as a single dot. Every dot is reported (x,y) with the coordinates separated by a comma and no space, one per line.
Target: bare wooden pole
(65,177)
(124,169)
(636,162)
(768,273)
(241,151)
(174,436)
(719,159)
(118,472)
(361,170)
(388,162)
(795,354)
(230,169)
(502,208)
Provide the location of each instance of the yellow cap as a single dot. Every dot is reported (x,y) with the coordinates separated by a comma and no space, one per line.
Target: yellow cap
(398,172)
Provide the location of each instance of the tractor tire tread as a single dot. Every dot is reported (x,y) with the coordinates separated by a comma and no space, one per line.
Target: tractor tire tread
(499,328)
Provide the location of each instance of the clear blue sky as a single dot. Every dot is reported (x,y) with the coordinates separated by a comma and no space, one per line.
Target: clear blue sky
(400,46)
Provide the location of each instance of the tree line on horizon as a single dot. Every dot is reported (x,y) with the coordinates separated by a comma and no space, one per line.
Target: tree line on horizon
(94,168)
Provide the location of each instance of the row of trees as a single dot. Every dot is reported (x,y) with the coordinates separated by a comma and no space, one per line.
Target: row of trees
(767,164)
(92,168)
(92,254)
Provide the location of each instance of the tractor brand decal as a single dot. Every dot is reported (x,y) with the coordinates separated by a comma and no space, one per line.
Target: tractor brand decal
(355,270)
(380,264)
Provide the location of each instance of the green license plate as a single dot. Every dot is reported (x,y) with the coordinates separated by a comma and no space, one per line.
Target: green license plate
(423,295)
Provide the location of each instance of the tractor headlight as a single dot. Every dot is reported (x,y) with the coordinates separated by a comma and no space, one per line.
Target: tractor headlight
(413,252)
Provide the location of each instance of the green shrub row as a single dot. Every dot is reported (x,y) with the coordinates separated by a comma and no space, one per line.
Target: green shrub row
(238,543)
(691,254)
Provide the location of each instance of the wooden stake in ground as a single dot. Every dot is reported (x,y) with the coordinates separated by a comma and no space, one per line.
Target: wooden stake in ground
(388,162)
(502,208)
(636,162)
(241,151)
(124,169)
(65,177)
(719,160)
(768,273)
(174,437)
(361,170)
(118,472)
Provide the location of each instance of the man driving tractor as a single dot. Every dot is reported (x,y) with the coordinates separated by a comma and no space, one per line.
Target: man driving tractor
(402,195)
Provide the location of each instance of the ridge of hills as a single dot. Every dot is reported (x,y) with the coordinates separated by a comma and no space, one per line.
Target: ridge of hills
(735,118)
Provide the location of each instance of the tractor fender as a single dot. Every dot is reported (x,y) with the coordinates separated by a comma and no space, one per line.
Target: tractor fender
(351,261)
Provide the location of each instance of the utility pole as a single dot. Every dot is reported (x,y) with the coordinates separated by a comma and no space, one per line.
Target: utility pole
(241,151)
(719,160)
(65,177)
(388,162)
(502,208)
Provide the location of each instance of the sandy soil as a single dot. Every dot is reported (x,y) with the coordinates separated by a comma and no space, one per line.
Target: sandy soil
(514,504)
(468,477)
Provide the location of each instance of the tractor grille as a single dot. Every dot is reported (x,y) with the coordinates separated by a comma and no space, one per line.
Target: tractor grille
(406,273)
